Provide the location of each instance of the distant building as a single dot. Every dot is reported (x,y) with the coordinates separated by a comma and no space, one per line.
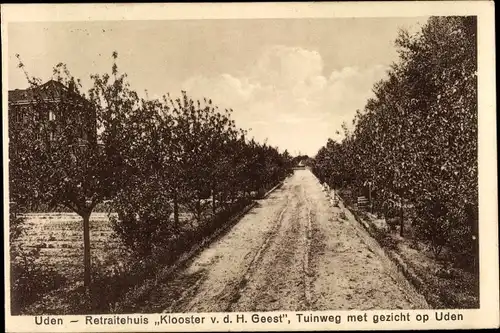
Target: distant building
(299,166)
(22,103)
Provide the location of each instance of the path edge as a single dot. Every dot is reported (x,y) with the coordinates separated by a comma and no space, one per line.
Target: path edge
(184,259)
(400,263)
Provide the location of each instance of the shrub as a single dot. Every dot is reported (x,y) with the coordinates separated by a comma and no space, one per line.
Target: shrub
(29,279)
(388,242)
(143,220)
(111,280)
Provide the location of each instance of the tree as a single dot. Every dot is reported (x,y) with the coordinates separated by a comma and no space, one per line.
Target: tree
(142,202)
(416,140)
(183,152)
(56,155)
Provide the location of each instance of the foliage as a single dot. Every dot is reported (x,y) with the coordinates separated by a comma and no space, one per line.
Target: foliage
(147,158)
(16,226)
(416,140)
(29,279)
(111,278)
(182,153)
(143,216)
(57,156)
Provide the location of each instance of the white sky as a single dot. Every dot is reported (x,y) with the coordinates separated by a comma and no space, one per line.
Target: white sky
(292,81)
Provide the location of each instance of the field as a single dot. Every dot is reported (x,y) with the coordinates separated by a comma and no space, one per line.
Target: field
(59,237)
(57,267)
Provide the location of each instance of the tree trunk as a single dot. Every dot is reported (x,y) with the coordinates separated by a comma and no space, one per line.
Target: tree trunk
(198,206)
(385,211)
(401,221)
(214,208)
(176,211)
(86,250)
(370,197)
(472,216)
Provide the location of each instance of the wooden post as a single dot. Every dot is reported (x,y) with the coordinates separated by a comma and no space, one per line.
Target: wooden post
(176,210)
(402,221)
(214,209)
(370,196)
(86,250)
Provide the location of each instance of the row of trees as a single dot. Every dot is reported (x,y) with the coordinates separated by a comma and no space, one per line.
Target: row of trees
(415,142)
(152,158)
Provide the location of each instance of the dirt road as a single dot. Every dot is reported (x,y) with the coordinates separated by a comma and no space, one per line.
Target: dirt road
(295,252)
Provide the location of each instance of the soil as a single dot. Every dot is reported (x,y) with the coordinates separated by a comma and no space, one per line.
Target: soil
(294,251)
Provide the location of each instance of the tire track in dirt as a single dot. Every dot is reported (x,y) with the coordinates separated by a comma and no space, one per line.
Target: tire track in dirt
(214,275)
(277,281)
(351,270)
(307,251)
(297,251)
(258,257)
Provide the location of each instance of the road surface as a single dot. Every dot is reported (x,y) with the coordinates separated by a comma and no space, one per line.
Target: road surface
(294,251)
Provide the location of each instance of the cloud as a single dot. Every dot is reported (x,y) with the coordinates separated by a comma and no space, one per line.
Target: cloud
(286,97)
(285,67)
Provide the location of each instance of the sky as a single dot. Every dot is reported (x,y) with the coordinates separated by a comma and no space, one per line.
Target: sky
(292,82)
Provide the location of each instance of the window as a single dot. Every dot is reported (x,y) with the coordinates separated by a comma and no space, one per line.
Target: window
(21,112)
(19,115)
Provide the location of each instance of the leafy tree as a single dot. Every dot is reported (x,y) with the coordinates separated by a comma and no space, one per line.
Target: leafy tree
(183,153)
(56,155)
(142,202)
(416,140)
(150,157)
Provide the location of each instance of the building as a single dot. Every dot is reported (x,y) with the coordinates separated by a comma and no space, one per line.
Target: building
(54,105)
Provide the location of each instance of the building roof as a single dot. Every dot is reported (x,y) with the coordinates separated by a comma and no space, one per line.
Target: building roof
(50,90)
